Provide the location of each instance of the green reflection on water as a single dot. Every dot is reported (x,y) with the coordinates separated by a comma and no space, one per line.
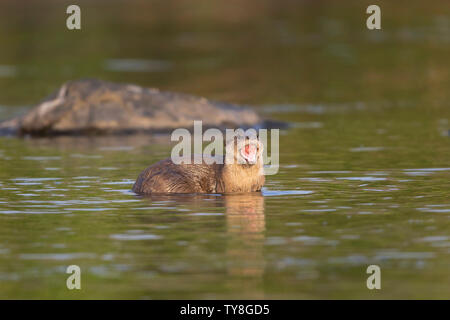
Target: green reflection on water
(370,111)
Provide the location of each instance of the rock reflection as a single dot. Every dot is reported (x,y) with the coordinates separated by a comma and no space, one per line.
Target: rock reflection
(100,143)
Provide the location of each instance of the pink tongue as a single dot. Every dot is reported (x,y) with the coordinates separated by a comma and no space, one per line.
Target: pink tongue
(250,152)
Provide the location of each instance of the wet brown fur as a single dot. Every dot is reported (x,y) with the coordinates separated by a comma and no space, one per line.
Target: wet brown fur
(167,177)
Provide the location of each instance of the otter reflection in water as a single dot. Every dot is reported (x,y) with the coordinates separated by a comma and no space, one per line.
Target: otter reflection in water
(245,236)
(245,226)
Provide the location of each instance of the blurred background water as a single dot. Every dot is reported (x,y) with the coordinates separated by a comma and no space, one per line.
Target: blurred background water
(364,175)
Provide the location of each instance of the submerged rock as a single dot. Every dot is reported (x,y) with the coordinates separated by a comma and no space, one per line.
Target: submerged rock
(94,106)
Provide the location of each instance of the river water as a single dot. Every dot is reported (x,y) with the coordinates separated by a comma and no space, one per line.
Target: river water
(364,169)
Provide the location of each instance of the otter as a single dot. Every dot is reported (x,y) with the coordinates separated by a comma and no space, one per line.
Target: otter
(244,173)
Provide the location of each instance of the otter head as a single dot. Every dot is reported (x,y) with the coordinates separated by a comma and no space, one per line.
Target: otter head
(251,151)
(244,150)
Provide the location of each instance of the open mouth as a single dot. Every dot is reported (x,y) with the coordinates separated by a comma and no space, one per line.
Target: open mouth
(249,153)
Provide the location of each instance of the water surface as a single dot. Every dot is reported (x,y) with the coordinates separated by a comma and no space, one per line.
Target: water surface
(364,176)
